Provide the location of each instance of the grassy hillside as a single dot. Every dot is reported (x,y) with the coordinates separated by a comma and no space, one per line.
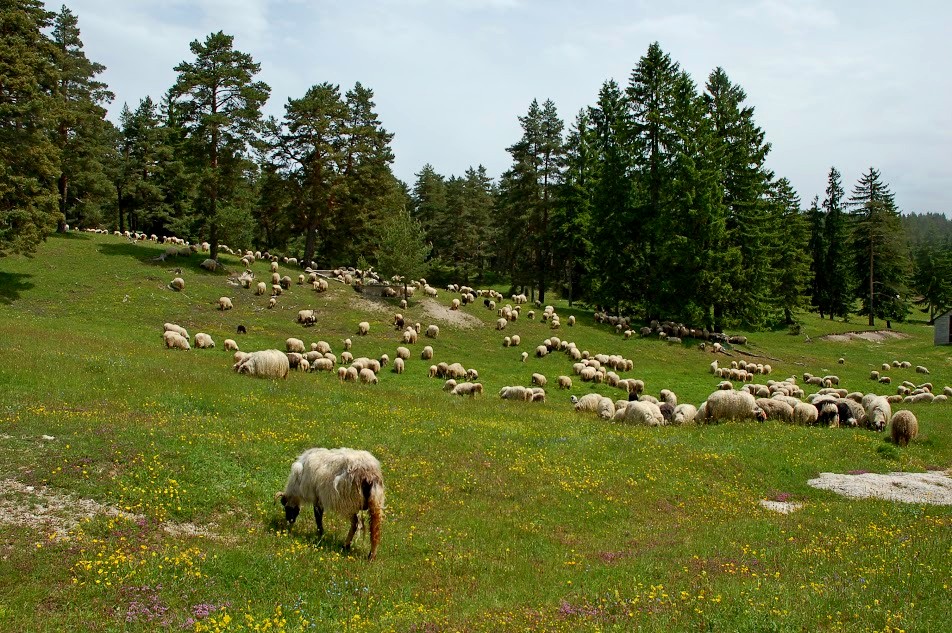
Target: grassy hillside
(500,515)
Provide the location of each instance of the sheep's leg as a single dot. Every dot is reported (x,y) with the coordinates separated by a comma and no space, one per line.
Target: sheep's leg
(319,519)
(353,530)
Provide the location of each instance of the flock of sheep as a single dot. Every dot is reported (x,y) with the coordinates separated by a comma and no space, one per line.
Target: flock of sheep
(347,481)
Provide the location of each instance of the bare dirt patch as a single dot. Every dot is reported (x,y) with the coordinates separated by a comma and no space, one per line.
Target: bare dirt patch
(457,318)
(58,514)
(369,305)
(873,336)
(934,488)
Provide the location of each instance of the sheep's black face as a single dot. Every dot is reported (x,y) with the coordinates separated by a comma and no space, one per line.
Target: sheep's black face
(291,511)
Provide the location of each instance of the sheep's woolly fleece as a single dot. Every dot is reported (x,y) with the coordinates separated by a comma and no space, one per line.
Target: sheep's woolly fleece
(934,488)
(876,336)
(59,514)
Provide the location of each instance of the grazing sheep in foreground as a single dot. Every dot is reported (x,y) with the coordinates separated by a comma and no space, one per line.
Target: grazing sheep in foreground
(427,353)
(432,331)
(261,288)
(340,480)
(516,339)
(516,393)
(204,341)
(363,328)
(565,382)
(347,344)
(641,412)
(467,389)
(921,370)
(525,355)
(905,427)
(231,345)
(224,303)
(295,345)
(367,376)
(684,414)
(776,409)
(269,363)
(273,301)
(178,329)
(174,340)
(805,414)
(878,413)
(398,365)
(177,284)
(539,379)
(722,406)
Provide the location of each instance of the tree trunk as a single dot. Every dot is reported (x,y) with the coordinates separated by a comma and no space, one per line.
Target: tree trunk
(310,237)
(872,314)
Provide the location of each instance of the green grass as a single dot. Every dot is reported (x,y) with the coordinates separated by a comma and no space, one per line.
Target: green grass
(501,515)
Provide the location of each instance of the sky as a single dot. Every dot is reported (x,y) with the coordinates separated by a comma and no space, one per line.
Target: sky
(851,84)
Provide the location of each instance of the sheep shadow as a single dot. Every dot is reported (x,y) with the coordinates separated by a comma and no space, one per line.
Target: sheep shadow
(305,533)
(12,284)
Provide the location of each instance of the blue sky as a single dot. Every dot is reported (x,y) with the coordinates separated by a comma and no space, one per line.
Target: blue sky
(851,84)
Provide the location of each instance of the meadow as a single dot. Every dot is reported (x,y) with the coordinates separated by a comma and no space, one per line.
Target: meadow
(137,483)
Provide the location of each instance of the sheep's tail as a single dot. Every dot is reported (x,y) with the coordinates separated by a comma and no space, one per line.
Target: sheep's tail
(373,492)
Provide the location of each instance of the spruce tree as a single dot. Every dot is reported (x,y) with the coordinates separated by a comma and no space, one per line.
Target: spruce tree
(30,160)
(429,206)
(745,182)
(837,263)
(932,269)
(85,139)
(819,281)
(880,258)
(790,254)
(219,106)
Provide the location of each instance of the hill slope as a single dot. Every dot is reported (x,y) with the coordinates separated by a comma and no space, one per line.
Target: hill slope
(500,515)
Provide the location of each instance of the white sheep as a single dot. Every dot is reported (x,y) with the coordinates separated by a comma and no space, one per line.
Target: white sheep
(174,340)
(398,365)
(516,339)
(724,405)
(224,303)
(410,336)
(231,345)
(341,480)
(517,392)
(921,370)
(177,284)
(204,341)
(363,328)
(501,323)
(641,412)
(805,414)
(322,364)
(467,389)
(432,331)
(269,363)
(565,382)
(427,353)
(403,352)
(347,344)
(538,379)
(367,376)
(878,412)
(525,355)
(684,414)
(178,329)
(261,288)
(295,345)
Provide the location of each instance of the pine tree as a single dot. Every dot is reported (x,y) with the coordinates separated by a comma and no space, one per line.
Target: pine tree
(529,192)
(745,184)
(219,106)
(837,264)
(819,291)
(429,206)
(572,214)
(880,259)
(612,194)
(29,159)
(932,269)
(406,249)
(790,253)
(85,139)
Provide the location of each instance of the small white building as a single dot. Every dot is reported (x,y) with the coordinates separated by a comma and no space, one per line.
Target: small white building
(943,333)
